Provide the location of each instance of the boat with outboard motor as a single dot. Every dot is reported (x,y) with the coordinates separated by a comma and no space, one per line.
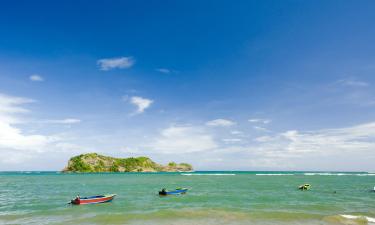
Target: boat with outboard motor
(177,191)
(92,199)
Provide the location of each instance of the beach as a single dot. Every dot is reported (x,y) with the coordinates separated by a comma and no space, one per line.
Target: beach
(213,198)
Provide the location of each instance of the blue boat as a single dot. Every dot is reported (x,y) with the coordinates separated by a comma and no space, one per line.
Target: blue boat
(178,191)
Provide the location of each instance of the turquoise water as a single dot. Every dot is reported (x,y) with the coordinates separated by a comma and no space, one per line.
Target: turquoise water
(214,198)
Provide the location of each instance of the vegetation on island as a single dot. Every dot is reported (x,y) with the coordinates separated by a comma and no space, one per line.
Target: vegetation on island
(93,162)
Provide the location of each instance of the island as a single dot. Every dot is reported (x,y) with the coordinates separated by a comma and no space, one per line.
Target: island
(94,163)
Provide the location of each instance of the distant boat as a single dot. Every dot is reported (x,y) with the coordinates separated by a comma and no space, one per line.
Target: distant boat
(92,199)
(178,191)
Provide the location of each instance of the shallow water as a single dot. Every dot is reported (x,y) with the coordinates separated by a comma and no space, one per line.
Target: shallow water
(214,198)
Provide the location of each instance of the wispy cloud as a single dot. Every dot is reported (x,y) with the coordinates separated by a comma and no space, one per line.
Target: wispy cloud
(36,77)
(353,82)
(163,70)
(65,121)
(356,138)
(11,106)
(220,123)
(17,145)
(259,128)
(259,120)
(116,63)
(12,137)
(183,139)
(141,103)
(231,140)
(348,141)
(263,138)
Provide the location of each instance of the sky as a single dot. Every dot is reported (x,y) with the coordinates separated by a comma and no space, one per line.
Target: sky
(223,85)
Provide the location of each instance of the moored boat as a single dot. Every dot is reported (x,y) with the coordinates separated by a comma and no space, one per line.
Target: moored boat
(177,191)
(92,199)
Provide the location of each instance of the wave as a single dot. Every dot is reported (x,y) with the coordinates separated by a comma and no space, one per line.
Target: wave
(208,174)
(327,174)
(353,217)
(286,174)
(339,174)
(274,174)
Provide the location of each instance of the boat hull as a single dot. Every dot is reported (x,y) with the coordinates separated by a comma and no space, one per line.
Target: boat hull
(175,192)
(93,200)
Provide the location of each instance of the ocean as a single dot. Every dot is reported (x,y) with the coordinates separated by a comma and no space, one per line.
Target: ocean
(214,198)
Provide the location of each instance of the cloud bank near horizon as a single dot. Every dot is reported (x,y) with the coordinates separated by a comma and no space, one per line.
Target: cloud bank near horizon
(288,149)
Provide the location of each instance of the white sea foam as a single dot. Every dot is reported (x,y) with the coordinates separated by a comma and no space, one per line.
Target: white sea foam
(340,174)
(208,174)
(327,174)
(366,174)
(274,174)
(353,217)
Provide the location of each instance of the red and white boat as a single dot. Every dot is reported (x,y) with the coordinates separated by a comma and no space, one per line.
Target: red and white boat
(92,199)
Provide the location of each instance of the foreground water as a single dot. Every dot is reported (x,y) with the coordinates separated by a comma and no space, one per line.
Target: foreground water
(214,198)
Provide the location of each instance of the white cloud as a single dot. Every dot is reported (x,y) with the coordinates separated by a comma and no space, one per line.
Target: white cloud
(353,83)
(130,150)
(141,103)
(36,77)
(263,138)
(17,145)
(113,63)
(259,128)
(220,123)
(258,120)
(12,137)
(11,104)
(65,121)
(164,70)
(231,140)
(183,139)
(348,148)
(344,142)
(357,138)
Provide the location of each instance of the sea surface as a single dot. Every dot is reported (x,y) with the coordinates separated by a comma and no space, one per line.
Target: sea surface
(214,198)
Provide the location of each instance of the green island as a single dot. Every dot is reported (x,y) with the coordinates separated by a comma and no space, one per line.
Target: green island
(93,163)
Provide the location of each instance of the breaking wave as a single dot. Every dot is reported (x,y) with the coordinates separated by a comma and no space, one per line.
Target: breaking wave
(353,217)
(339,174)
(274,174)
(208,174)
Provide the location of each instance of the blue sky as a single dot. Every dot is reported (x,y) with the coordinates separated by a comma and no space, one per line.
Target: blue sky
(223,85)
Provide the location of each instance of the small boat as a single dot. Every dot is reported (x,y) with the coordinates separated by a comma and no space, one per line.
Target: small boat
(304,187)
(177,191)
(92,199)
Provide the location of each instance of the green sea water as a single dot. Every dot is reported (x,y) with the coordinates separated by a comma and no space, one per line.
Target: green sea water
(213,198)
